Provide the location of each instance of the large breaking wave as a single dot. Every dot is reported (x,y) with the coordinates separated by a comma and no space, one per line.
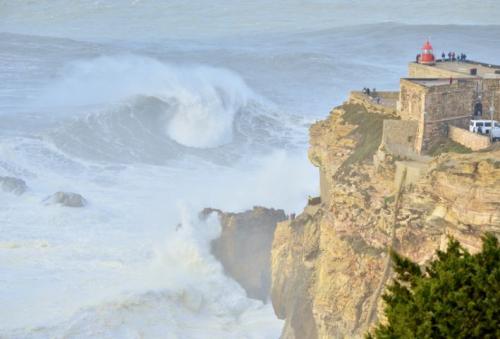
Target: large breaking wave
(200,102)
(128,108)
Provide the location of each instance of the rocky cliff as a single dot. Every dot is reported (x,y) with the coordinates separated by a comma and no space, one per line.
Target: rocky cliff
(244,247)
(331,263)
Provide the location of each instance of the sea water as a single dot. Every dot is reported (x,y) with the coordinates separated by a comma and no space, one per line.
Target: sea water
(154,110)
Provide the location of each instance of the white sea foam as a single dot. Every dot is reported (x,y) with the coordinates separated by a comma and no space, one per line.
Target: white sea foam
(121,266)
(180,292)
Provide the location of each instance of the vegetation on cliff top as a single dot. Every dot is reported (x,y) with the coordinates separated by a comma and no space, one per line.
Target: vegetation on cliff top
(368,131)
(457,296)
(446,145)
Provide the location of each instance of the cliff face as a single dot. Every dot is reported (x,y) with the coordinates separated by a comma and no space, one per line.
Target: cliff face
(330,264)
(244,247)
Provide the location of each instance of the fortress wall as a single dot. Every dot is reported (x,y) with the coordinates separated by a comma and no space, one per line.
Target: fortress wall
(419,139)
(432,133)
(423,71)
(411,100)
(491,90)
(446,105)
(434,107)
(450,101)
(398,137)
(471,140)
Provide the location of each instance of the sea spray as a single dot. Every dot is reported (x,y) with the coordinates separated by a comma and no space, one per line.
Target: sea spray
(181,293)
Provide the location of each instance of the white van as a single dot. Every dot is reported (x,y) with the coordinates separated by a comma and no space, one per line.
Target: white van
(486,127)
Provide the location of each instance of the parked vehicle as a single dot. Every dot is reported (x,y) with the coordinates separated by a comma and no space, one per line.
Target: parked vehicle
(486,127)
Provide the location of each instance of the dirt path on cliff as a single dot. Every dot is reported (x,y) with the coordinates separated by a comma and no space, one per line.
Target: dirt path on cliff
(372,310)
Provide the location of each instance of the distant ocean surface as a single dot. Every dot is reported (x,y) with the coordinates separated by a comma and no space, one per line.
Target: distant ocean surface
(154,110)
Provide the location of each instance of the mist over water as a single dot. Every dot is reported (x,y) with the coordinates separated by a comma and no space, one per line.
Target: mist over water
(153,111)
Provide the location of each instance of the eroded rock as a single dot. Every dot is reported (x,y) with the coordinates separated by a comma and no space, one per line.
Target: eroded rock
(67,199)
(244,247)
(13,185)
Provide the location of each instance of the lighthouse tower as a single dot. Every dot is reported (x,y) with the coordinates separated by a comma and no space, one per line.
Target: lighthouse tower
(427,56)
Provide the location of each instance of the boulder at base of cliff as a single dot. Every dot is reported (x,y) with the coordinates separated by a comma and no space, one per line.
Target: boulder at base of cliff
(244,247)
(13,185)
(67,199)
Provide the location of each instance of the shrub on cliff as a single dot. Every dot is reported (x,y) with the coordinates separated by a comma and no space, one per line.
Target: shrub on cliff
(457,296)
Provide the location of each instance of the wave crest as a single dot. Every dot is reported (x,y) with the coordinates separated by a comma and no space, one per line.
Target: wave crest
(202,101)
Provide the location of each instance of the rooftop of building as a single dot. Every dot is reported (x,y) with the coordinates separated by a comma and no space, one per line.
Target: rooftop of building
(432,82)
(429,82)
(463,68)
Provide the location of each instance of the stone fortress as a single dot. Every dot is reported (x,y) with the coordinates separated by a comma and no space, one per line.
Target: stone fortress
(437,100)
(434,106)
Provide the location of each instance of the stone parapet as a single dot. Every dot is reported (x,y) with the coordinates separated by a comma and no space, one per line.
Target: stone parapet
(424,71)
(471,140)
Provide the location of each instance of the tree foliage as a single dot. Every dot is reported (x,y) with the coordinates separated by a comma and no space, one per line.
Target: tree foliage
(456,296)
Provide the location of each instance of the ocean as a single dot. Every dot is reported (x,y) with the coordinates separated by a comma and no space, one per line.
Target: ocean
(153,110)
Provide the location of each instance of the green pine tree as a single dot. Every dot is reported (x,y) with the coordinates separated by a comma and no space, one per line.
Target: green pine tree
(456,296)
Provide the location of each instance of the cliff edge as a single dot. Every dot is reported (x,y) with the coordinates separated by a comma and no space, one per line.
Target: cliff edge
(330,264)
(244,247)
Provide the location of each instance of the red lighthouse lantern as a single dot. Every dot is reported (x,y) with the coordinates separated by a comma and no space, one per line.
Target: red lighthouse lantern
(427,56)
